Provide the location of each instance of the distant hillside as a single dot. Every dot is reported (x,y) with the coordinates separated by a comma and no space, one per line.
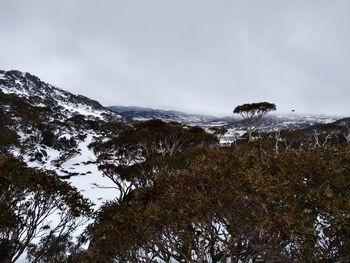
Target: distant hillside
(271,122)
(143,113)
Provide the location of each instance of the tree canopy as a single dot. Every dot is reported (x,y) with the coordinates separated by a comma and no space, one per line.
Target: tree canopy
(131,159)
(235,205)
(35,205)
(253,114)
(255,108)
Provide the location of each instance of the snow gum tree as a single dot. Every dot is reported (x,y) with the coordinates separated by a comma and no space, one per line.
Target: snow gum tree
(253,113)
(131,159)
(35,206)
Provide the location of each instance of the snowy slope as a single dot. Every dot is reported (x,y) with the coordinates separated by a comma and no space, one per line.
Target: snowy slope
(82,169)
(71,121)
(39,93)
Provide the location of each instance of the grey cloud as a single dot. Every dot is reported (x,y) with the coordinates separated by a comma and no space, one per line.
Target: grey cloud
(199,55)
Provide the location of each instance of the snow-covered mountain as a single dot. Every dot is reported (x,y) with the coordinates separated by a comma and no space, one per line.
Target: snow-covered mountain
(51,129)
(40,94)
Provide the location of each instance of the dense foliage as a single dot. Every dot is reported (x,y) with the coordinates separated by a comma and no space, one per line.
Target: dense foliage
(131,158)
(36,206)
(230,204)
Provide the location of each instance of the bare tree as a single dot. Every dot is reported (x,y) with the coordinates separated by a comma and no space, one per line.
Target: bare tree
(347,134)
(278,139)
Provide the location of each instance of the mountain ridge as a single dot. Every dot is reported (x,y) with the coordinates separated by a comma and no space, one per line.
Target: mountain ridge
(144,113)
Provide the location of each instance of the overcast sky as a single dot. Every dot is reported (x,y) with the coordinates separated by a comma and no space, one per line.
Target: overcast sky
(203,56)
